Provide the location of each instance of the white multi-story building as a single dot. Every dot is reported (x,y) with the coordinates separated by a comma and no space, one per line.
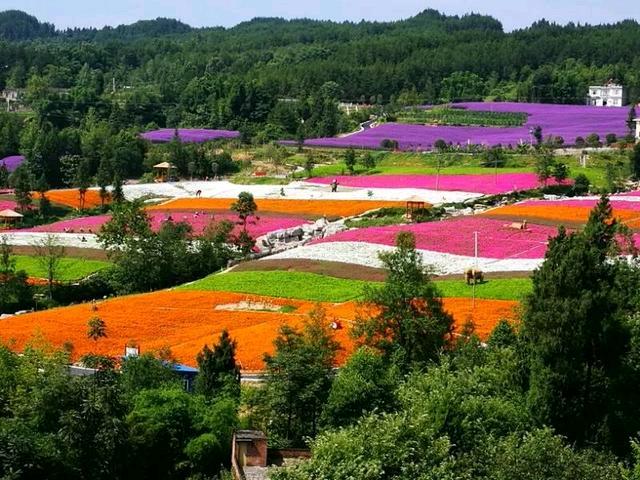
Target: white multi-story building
(609,95)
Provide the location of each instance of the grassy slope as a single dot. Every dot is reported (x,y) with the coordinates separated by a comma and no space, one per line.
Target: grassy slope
(314,287)
(451,164)
(70,268)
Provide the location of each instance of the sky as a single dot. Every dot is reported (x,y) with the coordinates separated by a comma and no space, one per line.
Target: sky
(198,13)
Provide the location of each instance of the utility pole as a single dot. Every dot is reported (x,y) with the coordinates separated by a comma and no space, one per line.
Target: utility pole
(113,85)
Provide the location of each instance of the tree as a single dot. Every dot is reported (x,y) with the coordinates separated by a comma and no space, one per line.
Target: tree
(298,378)
(593,140)
(146,372)
(15,292)
(49,255)
(309,164)
(545,165)
(246,207)
(4,176)
(365,384)
(440,145)
(368,161)
(631,124)
(117,194)
(44,205)
(575,334)
(350,159)
(610,139)
(82,180)
(560,172)
(537,134)
(494,157)
(103,179)
(407,319)
(581,184)
(97,328)
(21,181)
(634,161)
(219,374)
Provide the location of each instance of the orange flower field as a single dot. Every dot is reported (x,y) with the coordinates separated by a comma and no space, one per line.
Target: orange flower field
(184,321)
(557,214)
(309,208)
(71,198)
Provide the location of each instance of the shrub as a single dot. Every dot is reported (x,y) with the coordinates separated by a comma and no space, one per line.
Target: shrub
(389,144)
(611,138)
(580,143)
(440,145)
(593,140)
(580,184)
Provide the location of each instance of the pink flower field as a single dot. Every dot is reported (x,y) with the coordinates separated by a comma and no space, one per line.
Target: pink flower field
(486,184)
(7,205)
(198,222)
(456,236)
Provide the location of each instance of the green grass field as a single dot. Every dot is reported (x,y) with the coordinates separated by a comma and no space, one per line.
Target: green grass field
(322,288)
(298,285)
(70,268)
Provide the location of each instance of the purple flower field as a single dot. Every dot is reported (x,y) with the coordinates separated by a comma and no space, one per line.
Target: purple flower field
(567,121)
(188,135)
(12,162)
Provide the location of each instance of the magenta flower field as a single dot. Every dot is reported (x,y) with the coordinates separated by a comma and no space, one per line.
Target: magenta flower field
(567,121)
(7,205)
(188,135)
(456,236)
(198,222)
(486,184)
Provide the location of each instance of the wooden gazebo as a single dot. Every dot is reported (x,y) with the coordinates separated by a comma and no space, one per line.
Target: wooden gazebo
(164,171)
(414,204)
(10,217)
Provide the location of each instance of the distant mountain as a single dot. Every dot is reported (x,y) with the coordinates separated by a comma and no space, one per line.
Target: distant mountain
(16,25)
(143,28)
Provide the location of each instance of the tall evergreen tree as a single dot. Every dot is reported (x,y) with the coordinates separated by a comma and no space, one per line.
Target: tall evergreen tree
(219,373)
(407,315)
(575,331)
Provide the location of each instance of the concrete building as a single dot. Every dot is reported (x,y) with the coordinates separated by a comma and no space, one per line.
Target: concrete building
(637,120)
(609,95)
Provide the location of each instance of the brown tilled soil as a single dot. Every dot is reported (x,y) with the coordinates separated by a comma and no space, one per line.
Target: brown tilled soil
(332,269)
(88,253)
(347,270)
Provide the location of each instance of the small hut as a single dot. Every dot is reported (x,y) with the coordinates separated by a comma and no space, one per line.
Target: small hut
(414,205)
(10,217)
(164,171)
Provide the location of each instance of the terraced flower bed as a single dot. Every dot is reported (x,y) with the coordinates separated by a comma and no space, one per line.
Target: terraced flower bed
(187,320)
(188,135)
(7,205)
(304,208)
(199,221)
(70,268)
(486,184)
(567,121)
(496,239)
(572,213)
(324,288)
(71,198)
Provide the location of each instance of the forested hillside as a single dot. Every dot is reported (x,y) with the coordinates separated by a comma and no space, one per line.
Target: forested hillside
(164,73)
